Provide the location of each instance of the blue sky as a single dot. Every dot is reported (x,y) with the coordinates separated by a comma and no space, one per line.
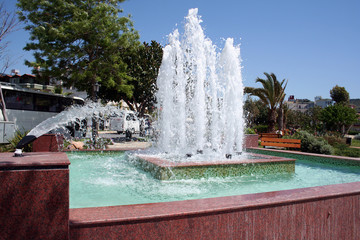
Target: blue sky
(315,45)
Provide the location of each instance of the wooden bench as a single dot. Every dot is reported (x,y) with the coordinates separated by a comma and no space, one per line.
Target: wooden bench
(270,135)
(281,142)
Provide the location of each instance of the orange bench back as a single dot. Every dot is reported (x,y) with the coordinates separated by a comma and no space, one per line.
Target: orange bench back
(281,142)
(270,135)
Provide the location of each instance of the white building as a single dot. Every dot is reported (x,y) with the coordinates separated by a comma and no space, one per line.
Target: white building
(301,105)
(319,101)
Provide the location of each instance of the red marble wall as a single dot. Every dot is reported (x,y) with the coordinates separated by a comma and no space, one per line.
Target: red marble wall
(48,143)
(251,140)
(314,213)
(34,196)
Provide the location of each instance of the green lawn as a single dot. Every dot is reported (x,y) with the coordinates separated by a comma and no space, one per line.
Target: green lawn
(355,143)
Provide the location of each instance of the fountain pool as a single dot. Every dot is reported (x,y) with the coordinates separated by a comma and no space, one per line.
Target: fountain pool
(199,116)
(109,178)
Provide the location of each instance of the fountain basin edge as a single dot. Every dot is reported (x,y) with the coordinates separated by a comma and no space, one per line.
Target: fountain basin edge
(164,169)
(325,212)
(137,213)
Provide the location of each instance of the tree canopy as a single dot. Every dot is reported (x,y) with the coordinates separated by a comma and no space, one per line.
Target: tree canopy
(339,95)
(143,66)
(338,117)
(80,42)
(309,120)
(271,94)
(256,113)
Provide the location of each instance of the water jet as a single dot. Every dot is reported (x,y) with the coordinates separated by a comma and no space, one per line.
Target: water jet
(200,107)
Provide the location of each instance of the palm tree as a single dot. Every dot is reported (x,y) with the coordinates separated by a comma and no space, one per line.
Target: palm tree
(271,94)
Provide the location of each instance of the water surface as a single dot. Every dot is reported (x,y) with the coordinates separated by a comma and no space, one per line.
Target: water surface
(108,179)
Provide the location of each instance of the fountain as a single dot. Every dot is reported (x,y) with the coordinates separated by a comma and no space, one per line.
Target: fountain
(35,195)
(200,111)
(200,94)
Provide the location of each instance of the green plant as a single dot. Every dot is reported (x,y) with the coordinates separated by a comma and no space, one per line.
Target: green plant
(261,128)
(310,143)
(80,42)
(272,94)
(338,118)
(340,95)
(58,89)
(334,140)
(250,131)
(15,140)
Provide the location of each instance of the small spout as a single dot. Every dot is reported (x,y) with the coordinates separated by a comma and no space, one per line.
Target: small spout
(18,153)
(199,151)
(25,141)
(188,155)
(228,156)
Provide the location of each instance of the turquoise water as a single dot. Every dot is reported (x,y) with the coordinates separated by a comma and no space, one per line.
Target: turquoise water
(108,179)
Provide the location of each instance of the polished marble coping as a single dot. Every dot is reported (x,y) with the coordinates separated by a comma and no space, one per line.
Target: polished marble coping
(178,209)
(34,159)
(306,154)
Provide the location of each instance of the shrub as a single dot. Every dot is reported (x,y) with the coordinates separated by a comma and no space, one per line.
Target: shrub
(261,128)
(250,131)
(58,89)
(14,141)
(334,140)
(312,144)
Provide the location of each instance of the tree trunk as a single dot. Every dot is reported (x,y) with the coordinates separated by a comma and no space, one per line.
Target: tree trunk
(130,105)
(281,118)
(272,120)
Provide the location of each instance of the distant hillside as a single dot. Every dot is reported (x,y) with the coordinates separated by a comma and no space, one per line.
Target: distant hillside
(356,102)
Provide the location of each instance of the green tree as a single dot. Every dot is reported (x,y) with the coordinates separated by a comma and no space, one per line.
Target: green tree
(339,95)
(255,112)
(79,42)
(296,119)
(338,117)
(251,111)
(271,94)
(315,124)
(307,121)
(143,66)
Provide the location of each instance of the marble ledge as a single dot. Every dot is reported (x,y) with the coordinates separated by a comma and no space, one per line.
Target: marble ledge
(34,159)
(80,217)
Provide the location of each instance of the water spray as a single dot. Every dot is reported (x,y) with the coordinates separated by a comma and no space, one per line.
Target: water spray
(200,93)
